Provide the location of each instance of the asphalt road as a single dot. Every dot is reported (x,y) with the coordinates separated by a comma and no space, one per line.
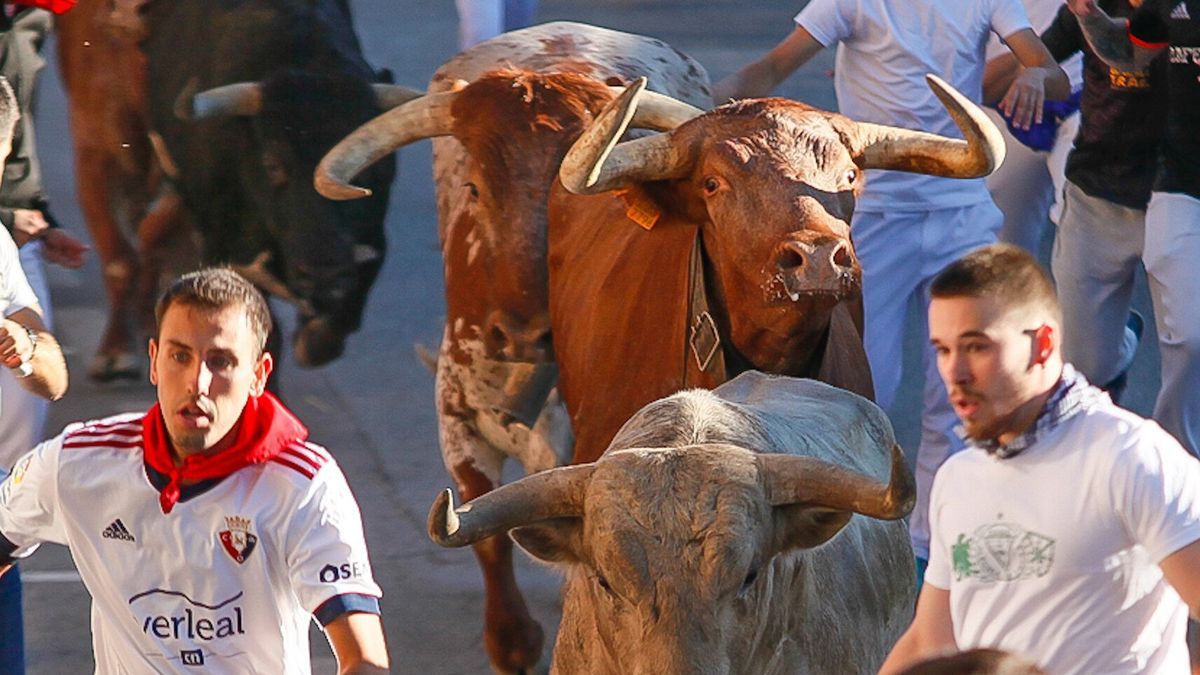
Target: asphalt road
(374,407)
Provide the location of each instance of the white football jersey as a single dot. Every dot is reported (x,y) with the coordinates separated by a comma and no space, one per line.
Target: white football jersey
(225,583)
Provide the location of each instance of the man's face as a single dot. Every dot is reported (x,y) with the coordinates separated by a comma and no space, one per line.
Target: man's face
(986,358)
(206,366)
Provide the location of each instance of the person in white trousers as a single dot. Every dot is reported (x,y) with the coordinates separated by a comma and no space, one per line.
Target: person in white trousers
(480,20)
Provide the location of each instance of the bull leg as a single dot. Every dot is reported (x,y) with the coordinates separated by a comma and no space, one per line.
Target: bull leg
(162,223)
(512,639)
(115,357)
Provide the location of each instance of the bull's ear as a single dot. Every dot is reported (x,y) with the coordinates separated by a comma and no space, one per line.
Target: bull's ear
(557,540)
(803,526)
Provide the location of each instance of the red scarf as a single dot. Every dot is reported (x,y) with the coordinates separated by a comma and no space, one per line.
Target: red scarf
(266,428)
(56,6)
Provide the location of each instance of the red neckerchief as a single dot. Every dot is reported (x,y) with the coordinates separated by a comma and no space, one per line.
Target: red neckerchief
(265,428)
(56,6)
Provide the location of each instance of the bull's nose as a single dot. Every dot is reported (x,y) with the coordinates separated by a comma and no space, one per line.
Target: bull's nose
(517,340)
(795,256)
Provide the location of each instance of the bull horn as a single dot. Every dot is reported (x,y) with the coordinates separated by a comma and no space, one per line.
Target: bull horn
(554,493)
(388,96)
(885,147)
(240,99)
(422,117)
(805,480)
(597,163)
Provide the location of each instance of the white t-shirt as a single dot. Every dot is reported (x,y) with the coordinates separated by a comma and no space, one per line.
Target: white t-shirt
(1054,553)
(225,583)
(886,49)
(15,295)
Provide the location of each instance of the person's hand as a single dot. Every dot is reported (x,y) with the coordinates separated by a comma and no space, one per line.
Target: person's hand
(15,346)
(1025,98)
(60,248)
(1082,8)
(28,224)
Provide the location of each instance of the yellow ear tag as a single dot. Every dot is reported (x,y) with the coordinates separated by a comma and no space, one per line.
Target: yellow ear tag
(639,208)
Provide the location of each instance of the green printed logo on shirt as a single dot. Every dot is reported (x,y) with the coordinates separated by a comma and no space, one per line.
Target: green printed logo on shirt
(1001,552)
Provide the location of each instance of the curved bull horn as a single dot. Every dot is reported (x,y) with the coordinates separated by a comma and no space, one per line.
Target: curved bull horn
(885,147)
(388,96)
(237,99)
(422,117)
(555,493)
(597,163)
(805,480)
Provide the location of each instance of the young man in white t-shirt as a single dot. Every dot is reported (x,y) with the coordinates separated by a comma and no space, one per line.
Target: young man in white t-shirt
(208,531)
(906,226)
(1069,530)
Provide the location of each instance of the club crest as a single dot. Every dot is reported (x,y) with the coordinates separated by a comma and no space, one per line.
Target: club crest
(237,540)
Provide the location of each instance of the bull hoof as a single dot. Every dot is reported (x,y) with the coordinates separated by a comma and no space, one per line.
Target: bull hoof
(317,343)
(110,367)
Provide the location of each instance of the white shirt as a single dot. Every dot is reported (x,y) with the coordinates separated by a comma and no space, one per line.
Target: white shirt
(225,583)
(886,47)
(1054,553)
(15,295)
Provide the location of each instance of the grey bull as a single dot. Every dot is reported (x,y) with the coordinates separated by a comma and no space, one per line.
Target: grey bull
(748,529)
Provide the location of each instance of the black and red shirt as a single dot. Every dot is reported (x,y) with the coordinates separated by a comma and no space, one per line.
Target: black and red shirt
(1122,116)
(1176,25)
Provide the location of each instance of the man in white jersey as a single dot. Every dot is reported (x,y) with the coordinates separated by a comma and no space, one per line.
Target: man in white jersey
(1069,530)
(208,530)
(906,226)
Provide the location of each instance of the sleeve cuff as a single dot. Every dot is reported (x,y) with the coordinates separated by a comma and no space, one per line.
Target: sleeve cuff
(344,604)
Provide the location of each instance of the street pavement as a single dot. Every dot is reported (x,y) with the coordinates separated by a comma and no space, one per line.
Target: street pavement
(374,407)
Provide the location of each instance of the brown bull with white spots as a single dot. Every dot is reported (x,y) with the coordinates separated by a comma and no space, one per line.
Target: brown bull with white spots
(681,259)
(718,534)
(499,137)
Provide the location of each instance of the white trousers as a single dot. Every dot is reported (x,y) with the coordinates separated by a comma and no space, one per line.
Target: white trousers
(900,253)
(1097,251)
(23,415)
(1028,185)
(1171,251)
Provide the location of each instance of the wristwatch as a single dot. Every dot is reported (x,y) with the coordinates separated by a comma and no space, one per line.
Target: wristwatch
(26,367)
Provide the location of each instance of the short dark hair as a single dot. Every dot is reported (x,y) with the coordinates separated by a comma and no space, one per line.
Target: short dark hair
(1007,273)
(10,111)
(214,289)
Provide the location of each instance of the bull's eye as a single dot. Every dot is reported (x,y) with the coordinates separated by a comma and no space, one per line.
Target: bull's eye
(473,190)
(603,583)
(711,185)
(851,175)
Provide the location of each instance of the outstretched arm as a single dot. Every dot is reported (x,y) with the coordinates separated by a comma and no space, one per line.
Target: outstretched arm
(762,76)
(1109,38)
(1040,78)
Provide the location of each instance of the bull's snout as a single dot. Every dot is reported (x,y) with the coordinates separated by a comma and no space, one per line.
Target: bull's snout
(510,339)
(817,264)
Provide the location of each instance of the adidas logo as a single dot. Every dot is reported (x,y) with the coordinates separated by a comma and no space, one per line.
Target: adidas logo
(117,530)
(1180,11)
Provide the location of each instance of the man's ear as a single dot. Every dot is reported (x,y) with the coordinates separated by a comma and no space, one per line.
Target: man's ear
(262,371)
(1043,343)
(153,362)
(556,540)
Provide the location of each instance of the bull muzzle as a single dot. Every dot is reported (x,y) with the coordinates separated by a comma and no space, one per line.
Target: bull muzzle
(815,264)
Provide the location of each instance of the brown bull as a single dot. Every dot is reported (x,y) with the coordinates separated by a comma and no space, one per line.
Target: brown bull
(742,260)
(117,176)
(499,138)
(716,535)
